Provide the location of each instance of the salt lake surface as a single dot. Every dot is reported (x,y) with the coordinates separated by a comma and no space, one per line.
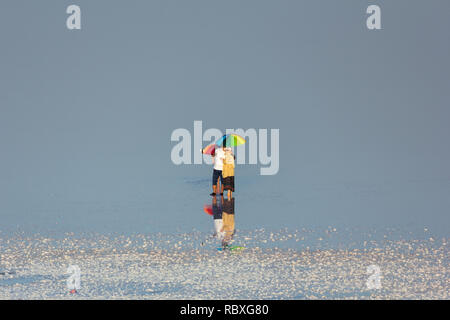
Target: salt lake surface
(288,246)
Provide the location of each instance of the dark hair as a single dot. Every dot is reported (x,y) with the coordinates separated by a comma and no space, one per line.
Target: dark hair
(224,142)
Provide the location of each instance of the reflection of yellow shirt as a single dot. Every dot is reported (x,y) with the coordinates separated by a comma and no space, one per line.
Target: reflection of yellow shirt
(228,165)
(228,224)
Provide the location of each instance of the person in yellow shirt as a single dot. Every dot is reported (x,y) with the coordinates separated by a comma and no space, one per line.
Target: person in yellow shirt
(228,172)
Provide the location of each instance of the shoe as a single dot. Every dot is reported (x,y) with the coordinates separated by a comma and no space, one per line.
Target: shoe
(212,194)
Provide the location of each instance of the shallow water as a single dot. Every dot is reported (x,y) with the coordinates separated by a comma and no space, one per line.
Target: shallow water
(288,248)
(175,205)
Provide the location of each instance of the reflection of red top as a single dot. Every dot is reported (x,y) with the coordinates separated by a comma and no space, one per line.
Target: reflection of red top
(208,209)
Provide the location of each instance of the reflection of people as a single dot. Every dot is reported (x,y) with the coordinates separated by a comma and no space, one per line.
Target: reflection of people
(228,172)
(228,221)
(217,214)
(218,156)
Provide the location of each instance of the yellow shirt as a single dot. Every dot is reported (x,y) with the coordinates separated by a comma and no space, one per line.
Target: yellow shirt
(228,166)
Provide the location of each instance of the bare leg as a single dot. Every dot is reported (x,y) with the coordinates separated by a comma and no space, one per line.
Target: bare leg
(215,186)
(229,195)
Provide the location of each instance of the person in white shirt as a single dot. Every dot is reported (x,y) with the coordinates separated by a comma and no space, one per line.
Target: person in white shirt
(218,157)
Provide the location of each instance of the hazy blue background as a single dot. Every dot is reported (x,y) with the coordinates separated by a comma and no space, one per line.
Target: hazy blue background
(86,116)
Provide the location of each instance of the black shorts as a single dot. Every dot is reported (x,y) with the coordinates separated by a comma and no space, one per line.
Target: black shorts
(216,175)
(228,183)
